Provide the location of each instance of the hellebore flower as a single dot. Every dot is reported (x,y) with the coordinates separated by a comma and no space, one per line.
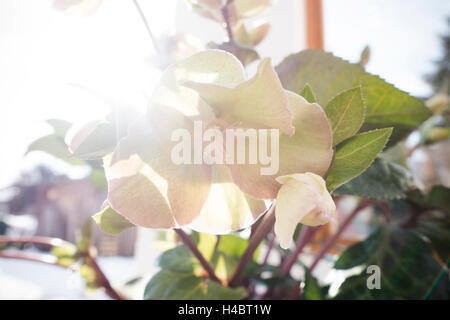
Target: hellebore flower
(210,89)
(302,198)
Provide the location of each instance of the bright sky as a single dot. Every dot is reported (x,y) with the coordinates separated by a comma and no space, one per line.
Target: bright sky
(44,51)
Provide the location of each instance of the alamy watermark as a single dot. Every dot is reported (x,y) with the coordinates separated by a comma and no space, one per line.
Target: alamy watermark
(374,280)
(229,146)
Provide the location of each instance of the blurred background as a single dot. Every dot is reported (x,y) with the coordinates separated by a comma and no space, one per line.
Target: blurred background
(60,66)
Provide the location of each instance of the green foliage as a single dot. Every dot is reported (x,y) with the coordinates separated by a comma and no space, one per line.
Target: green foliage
(170,285)
(408,269)
(178,259)
(66,255)
(54,144)
(382,180)
(346,113)
(179,279)
(308,94)
(111,222)
(439,197)
(59,126)
(387,106)
(436,229)
(312,290)
(95,140)
(355,155)
(98,179)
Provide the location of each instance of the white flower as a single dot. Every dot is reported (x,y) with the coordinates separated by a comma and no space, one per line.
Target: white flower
(302,198)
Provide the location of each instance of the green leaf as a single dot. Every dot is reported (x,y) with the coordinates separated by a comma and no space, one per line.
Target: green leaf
(170,285)
(360,252)
(312,290)
(110,221)
(226,256)
(94,140)
(408,269)
(234,245)
(55,146)
(59,126)
(387,106)
(382,180)
(98,179)
(178,259)
(436,229)
(345,113)
(355,155)
(66,255)
(308,94)
(438,197)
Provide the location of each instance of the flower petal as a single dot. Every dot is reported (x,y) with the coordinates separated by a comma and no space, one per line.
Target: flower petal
(257,103)
(308,150)
(145,186)
(227,208)
(248,8)
(251,36)
(214,66)
(303,198)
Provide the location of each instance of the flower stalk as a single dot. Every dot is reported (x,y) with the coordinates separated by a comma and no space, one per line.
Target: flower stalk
(193,247)
(263,229)
(56,242)
(331,241)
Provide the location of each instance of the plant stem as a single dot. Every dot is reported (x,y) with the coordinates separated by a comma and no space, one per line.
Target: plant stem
(255,240)
(192,246)
(226,18)
(103,280)
(216,246)
(269,249)
(304,238)
(147,26)
(48,259)
(56,242)
(331,241)
(45,241)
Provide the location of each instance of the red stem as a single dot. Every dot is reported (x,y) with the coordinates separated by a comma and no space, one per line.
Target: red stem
(55,242)
(331,241)
(226,18)
(45,241)
(48,259)
(255,240)
(305,236)
(103,280)
(269,249)
(192,246)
